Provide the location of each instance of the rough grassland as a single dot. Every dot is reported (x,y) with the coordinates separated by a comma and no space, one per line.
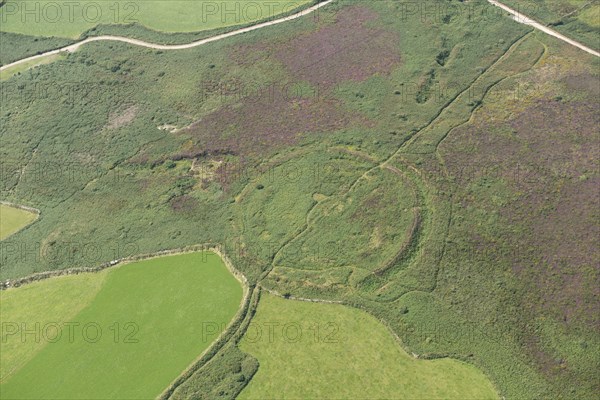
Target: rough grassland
(13,220)
(168,300)
(49,18)
(492,123)
(9,72)
(14,46)
(334,351)
(531,163)
(577,19)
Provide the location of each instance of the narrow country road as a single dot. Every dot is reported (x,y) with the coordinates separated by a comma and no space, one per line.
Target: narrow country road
(74,47)
(71,48)
(523,19)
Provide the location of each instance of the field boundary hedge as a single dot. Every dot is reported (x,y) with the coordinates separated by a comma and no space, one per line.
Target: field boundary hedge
(39,276)
(20,206)
(141,32)
(225,337)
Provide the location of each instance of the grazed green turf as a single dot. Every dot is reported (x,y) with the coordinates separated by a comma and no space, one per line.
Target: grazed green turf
(30,303)
(169,300)
(48,18)
(323,351)
(13,219)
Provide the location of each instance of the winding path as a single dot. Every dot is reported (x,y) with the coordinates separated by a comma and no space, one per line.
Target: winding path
(71,48)
(75,46)
(523,19)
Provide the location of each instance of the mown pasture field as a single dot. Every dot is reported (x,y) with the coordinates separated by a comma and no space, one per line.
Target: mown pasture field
(13,219)
(48,18)
(30,303)
(311,350)
(157,312)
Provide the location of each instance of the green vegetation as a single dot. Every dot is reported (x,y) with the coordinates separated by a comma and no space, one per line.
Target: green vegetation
(17,69)
(30,304)
(576,19)
(282,197)
(331,349)
(372,242)
(429,171)
(168,310)
(56,19)
(15,47)
(13,219)
(224,377)
(226,370)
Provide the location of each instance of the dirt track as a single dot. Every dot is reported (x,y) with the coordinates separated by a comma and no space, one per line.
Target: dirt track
(523,19)
(69,49)
(74,47)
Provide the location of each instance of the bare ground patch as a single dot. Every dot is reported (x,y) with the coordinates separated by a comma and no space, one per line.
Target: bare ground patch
(118,120)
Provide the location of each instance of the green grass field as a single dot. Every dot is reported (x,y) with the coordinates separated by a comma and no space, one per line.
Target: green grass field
(30,303)
(13,219)
(48,18)
(332,351)
(157,312)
